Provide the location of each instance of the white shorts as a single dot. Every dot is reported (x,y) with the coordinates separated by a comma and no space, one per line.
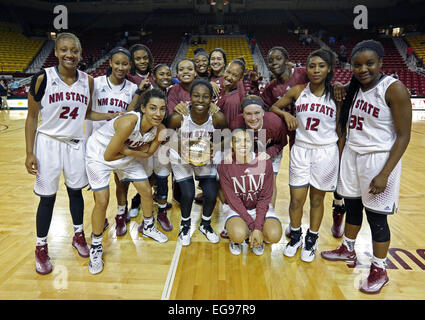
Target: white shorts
(128,169)
(183,171)
(161,162)
(230,213)
(317,167)
(358,170)
(276,162)
(53,157)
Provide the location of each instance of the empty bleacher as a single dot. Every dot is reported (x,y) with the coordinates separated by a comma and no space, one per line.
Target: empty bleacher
(234,47)
(16,50)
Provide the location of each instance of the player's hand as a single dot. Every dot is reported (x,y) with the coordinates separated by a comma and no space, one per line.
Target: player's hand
(255,239)
(145,84)
(378,184)
(182,108)
(339,91)
(291,121)
(213,108)
(263,156)
(216,88)
(31,164)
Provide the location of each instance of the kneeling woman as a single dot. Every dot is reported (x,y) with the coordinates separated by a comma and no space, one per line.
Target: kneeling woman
(247,185)
(115,147)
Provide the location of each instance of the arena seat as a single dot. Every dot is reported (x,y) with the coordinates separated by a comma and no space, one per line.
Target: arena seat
(234,48)
(16,50)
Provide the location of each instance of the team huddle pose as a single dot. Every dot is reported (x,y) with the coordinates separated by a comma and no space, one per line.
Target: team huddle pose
(348,140)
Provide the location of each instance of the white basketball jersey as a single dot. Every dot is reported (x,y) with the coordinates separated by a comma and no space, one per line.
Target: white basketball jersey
(64,107)
(189,129)
(107,99)
(371,125)
(316,118)
(136,139)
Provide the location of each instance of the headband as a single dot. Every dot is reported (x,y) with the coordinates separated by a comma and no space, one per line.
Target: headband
(252,101)
(120,50)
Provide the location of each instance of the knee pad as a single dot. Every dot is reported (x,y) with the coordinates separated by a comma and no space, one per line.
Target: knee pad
(161,188)
(354,215)
(378,226)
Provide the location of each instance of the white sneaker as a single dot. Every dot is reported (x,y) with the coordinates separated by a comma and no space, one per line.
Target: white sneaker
(208,231)
(259,250)
(293,245)
(308,253)
(96,262)
(152,232)
(133,213)
(235,248)
(184,235)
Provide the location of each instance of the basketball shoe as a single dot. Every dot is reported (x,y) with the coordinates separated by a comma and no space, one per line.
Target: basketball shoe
(308,253)
(376,280)
(96,262)
(340,254)
(135,207)
(293,244)
(184,234)
(79,243)
(206,229)
(235,248)
(42,260)
(259,250)
(224,234)
(338,221)
(121,221)
(163,220)
(150,231)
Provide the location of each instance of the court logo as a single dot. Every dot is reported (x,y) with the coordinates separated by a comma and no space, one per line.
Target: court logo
(61,20)
(61,280)
(360,22)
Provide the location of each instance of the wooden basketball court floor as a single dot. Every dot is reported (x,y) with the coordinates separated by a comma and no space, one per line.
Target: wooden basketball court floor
(140,268)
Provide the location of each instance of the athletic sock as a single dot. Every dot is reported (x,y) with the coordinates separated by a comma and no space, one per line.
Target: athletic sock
(96,240)
(313,232)
(380,263)
(349,243)
(121,209)
(162,206)
(41,241)
(338,202)
(78,228)
(147,222)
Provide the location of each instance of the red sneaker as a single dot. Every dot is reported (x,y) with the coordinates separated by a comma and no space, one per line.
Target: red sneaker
(224,234)
(338,221)
(340,254)
(42,260)
(164,221)
(121,228)
(375,281)
(79,243)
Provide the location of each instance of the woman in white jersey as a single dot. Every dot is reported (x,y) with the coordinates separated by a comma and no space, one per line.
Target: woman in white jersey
(116,147)
(378,112)
(62,95)
(314,158)
(197,128)
(113,93)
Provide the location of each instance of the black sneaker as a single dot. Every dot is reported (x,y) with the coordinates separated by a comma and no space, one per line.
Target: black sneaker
(184,234)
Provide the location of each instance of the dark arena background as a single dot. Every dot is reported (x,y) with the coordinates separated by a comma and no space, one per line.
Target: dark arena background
(138,268)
